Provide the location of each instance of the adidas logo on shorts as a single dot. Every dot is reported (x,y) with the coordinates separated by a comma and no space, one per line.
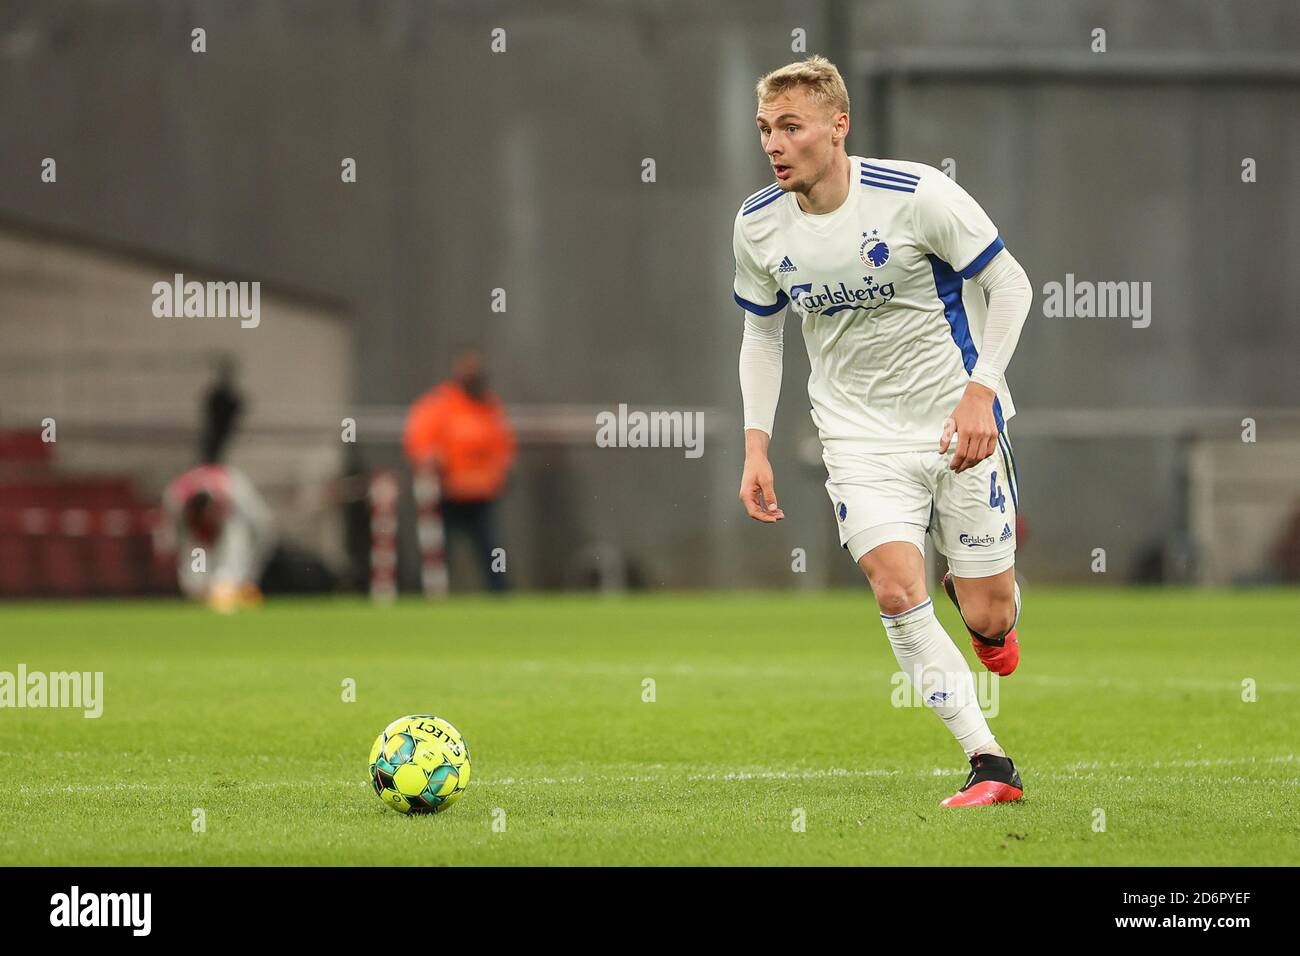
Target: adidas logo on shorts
(1006,532)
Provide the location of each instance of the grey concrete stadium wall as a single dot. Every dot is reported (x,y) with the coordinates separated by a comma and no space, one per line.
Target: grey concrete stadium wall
(522,171)
(124,387)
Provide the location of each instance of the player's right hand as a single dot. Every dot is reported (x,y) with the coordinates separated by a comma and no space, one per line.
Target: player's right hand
(758,491)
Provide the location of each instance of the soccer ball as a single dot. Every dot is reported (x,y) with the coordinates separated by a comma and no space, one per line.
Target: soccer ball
(419,764)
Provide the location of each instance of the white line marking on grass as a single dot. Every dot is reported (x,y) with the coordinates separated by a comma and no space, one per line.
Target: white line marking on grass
(854,678)
(188,788)
(1066,771)
(1179,683)
(1129,778)
(1197,762)
(1063,772)
(1071,771)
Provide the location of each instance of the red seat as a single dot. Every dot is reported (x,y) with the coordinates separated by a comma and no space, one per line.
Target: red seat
(17,577)
(62,565)
(25,447)
(77,535)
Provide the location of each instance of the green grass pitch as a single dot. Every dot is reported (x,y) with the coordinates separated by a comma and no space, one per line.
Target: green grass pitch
(1127,704)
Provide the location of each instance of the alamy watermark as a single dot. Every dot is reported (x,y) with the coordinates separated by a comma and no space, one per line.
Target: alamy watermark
(638,429)
(75,908)
(944,691)
(1084,299)
(80,689)
(208,300)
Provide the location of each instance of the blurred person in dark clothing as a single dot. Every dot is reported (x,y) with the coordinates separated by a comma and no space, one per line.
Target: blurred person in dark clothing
(222,407)
(1286,550)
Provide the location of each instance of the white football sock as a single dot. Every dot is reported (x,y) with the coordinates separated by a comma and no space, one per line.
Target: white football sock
(938,671)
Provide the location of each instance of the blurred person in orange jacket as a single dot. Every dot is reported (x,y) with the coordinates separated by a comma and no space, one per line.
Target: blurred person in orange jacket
(461,429)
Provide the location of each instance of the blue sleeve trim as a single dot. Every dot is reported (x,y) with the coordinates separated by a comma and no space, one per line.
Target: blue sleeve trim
(980,261)
(782,300)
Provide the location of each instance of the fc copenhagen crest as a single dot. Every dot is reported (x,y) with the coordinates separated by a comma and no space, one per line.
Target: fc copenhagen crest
(874,250)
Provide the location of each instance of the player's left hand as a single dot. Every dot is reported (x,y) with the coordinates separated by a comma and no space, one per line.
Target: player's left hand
(975,427)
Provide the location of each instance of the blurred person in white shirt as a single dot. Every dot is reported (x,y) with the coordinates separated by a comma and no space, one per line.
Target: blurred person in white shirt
(221,531)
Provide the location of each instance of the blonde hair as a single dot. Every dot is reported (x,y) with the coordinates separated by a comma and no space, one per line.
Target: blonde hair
(817,75)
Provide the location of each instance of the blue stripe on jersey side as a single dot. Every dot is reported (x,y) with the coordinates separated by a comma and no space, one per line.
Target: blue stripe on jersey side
(1012,455)
(1015,475)
(1007,469)
(980,261)
(912,177)
(1014,478)
(879,185)
(947,284)
(759,205)
(761,195)
(781,301)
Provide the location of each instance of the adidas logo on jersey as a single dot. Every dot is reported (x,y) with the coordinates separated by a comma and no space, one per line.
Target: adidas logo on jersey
(787,266)
(1006,532)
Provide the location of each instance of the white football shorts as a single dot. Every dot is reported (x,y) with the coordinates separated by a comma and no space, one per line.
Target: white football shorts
(900,496)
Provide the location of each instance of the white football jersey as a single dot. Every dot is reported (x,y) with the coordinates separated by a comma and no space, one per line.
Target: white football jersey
(891,326)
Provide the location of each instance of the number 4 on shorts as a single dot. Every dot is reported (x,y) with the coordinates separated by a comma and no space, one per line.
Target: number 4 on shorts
(996,498)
